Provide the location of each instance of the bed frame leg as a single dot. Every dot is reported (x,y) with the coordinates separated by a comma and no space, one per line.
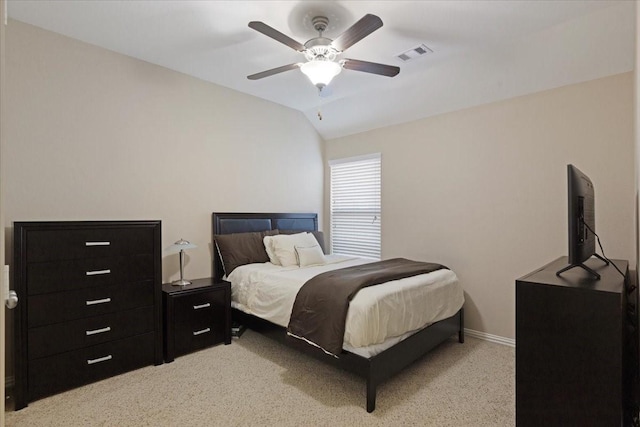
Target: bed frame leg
(371,395)
(461,331)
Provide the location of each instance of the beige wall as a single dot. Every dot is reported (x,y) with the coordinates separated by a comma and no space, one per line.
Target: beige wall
(2,284)
(637,144)
(637,137)
(483,190)
(95,135)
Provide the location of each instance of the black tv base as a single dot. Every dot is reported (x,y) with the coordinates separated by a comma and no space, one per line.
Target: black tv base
(593,273)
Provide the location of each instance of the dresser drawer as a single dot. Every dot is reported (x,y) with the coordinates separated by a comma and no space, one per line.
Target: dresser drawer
(44,309)
(67,336)
(200,304)
(52,245)
(72,369)
(58,276)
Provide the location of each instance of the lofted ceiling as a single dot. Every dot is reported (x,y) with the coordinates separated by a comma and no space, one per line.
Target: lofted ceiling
(483,51)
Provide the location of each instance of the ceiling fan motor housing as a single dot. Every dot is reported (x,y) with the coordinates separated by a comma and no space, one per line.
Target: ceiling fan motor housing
(319,48)
(320,23)
(320,52)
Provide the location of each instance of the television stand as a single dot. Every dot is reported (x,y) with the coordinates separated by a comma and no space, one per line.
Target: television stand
(577,347)
(569,267)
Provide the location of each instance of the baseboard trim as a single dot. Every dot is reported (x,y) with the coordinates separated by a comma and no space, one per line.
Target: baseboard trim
(489,337)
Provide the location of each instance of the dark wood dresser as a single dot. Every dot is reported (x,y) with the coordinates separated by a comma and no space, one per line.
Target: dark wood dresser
(90,302)
(576,346)
(196,316)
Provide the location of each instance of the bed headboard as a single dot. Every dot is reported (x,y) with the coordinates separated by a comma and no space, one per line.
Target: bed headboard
(233,222)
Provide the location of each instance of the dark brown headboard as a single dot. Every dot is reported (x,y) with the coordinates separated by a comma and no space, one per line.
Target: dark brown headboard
(233,222)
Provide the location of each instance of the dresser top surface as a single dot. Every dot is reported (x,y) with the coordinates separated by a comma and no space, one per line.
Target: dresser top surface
(611,280)
(197,285)
(83,224)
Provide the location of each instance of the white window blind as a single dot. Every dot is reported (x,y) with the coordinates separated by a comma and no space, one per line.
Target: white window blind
(355,206)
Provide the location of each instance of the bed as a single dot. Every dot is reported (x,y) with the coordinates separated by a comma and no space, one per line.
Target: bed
(376,361)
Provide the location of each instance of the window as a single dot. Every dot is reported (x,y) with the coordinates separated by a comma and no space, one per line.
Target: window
(355,206)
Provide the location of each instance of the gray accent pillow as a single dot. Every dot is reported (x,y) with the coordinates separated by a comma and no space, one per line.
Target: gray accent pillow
(238,249)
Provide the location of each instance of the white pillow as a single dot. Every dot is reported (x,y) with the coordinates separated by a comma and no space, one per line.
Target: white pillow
(284,246)
(310,255)
(268,246)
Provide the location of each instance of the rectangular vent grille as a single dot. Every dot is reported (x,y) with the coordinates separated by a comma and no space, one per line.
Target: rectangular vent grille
(414,53)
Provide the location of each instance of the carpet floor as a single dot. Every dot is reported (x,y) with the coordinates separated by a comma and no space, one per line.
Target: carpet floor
(256,381)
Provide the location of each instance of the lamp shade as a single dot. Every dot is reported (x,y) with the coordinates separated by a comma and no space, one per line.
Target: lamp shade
(320,72)
(179,246)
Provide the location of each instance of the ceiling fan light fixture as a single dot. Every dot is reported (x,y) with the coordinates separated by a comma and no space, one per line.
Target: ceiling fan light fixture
(321,72)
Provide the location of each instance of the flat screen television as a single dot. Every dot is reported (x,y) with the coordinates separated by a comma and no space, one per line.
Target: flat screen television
(582,220)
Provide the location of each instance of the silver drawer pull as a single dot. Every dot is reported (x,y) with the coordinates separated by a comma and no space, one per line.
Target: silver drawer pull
(198,307)
(98,331)
(98,272)
(99,359)
(97,243)
(204,331)
(98,301)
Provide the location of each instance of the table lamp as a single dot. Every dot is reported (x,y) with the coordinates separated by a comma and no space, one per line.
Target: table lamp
(180,246)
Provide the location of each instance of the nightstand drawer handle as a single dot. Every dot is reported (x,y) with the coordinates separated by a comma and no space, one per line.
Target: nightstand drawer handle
(97,272)
(97,243)
(198,307)
(99,359)
(204,331)
(98,301)
(99,331)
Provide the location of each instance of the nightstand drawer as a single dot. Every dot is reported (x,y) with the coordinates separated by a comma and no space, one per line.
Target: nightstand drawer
(192,336)
(50,245)
(84,273)
(59,307)
(60,337)
(200,304)
(67,370)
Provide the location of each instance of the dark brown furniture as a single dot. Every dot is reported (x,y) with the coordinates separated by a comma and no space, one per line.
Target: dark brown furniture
(374,369)
(196,316)
(576,353)
(90,304)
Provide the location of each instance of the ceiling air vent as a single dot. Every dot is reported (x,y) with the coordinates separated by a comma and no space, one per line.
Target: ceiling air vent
(414,53)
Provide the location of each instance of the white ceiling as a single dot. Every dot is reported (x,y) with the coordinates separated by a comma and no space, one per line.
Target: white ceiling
(483,50)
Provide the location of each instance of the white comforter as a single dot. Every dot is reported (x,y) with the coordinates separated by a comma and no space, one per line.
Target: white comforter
(378,315)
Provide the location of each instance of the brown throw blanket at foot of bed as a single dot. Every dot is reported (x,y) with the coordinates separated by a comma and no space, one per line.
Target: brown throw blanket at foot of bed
(320,309)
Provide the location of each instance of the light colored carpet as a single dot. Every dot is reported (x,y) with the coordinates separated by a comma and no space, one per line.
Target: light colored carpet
(258,382)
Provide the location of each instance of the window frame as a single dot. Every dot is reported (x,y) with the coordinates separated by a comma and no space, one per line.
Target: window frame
(370,243)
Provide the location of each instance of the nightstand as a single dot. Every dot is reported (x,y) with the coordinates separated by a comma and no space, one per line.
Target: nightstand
(196,316)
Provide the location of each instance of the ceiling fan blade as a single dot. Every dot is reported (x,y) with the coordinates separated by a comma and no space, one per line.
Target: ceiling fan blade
(273,71)
(361,29)
(370,67)
(276,35)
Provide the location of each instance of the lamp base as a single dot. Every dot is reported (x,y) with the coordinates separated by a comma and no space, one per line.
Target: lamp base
(181,282)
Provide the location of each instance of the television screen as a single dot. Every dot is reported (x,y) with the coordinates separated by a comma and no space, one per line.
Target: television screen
(582,220)
(582,223)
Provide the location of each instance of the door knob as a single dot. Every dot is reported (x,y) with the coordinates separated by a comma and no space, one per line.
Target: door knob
(11,297)
(12,300)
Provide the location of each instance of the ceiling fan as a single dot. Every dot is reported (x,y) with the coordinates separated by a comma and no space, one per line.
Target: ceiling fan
(321,53)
